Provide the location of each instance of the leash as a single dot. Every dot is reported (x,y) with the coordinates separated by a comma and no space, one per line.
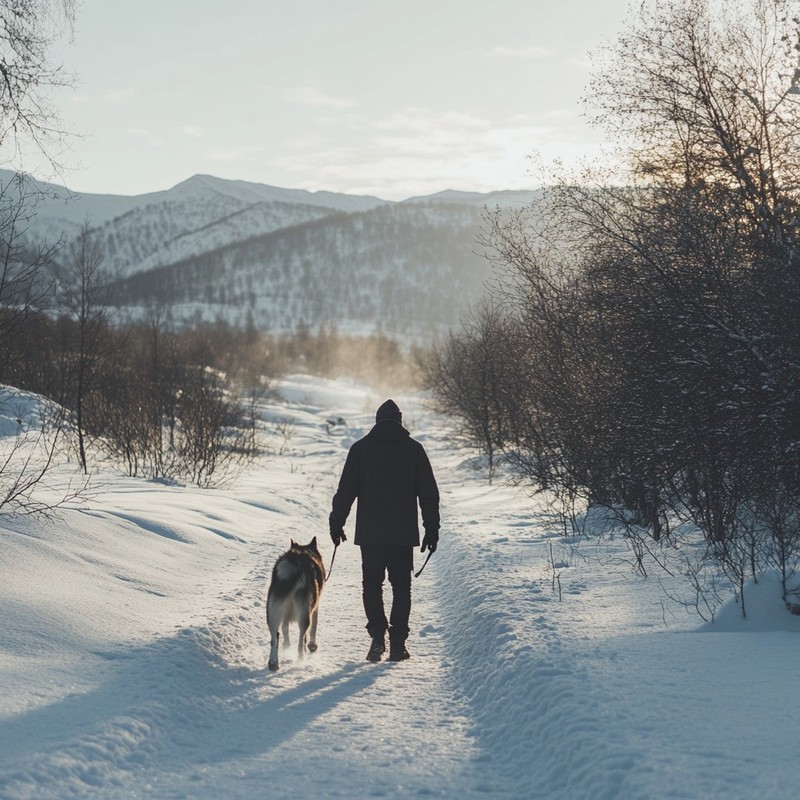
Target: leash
(333,558)
(417,574)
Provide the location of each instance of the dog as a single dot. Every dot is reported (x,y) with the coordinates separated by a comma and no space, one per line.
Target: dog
(294,593)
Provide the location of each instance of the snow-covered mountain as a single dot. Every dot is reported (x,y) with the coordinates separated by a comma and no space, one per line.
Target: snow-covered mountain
(406,268)
(210,248)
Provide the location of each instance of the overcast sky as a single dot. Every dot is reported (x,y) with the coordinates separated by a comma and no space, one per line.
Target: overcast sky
(393,98)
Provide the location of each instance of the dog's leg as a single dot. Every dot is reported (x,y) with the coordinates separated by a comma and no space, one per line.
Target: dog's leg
(303,622)
(312,636)
(286,640)
(273,662)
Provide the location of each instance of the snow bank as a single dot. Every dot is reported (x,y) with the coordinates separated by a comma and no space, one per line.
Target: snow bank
(21,412)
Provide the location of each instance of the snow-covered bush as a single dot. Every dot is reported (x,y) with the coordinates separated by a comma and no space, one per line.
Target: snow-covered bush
(33,430)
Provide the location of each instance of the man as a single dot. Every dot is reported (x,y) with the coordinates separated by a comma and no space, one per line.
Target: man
(389,473)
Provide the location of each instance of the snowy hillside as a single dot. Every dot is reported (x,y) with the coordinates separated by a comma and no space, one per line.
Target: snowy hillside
(176,230)
(133,648)
(206,213)
(407,268)
(159,228)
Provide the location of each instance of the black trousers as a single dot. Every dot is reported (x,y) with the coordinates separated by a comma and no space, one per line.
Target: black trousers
(376,562)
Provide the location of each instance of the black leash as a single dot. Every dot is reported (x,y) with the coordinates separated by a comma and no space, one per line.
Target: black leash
(417,574)
(333,558)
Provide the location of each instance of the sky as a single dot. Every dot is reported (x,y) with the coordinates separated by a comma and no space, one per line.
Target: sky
(392,99)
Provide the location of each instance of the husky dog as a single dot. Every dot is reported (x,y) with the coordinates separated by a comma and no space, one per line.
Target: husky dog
(297,580)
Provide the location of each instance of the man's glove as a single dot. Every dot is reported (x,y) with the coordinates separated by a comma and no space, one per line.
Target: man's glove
(337,536)
(430,541)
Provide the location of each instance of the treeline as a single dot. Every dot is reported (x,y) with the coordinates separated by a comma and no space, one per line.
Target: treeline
(163,404)
(177,404)
(643,353)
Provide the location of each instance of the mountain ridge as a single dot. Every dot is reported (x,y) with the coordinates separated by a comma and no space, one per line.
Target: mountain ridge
(253,254)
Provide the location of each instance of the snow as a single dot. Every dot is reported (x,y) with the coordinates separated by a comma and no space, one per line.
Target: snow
(133,647)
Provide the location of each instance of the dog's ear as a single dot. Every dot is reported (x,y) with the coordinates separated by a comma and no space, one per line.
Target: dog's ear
(313,543)
(293,545)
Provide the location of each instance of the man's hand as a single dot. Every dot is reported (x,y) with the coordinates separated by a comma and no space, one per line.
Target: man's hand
(430,541)
(338,536)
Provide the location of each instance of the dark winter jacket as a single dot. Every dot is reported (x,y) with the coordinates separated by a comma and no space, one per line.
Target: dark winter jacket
(388,472)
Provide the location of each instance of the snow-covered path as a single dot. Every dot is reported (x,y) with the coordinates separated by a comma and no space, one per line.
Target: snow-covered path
(133,652)
(191,710)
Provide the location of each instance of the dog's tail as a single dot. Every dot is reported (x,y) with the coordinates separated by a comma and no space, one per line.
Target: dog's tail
(286,569)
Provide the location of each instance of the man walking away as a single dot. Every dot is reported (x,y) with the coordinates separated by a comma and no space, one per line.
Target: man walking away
(389,473)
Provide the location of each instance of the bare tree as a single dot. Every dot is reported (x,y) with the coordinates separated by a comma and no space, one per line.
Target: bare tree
(28,455)
(84,288)
(28,31)
(469,376)
(26,279)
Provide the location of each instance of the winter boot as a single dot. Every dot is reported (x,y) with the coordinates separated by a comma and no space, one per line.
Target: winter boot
(399,653)
(377,648)
(397,648)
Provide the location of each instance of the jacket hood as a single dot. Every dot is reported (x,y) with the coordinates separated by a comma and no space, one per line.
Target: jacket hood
(387,430)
